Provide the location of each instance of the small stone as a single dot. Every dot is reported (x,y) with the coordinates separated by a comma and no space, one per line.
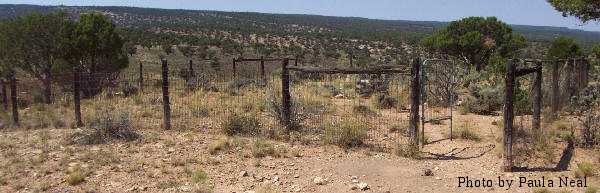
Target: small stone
(362,186)
(354,177)
(438,178)
(275,179)
(319,181)
(296,176)
(436,168)
(243,174)
(428,172)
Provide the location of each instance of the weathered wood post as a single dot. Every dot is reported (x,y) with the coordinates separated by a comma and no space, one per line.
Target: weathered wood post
(141,77)
(285,94)
(165,89)
(234,68)
(555,89)
(77,95)
(537,98)
(569,80)
(4,95)
(508,115)
(414,101)
(13,98)
(262,69)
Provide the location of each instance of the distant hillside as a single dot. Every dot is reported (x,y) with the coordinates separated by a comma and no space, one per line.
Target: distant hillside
(191,21)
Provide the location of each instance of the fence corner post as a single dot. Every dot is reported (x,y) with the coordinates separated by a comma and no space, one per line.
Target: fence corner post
(165,89)
(285,91)
(508,115)
(537,99)
(415,92)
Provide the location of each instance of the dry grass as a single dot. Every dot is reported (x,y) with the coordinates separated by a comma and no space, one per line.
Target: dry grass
(347,133)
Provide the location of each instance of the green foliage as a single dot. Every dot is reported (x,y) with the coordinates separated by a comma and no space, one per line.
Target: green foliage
(476,39)
(585,10)
(105,126)
(238,124)
(347,133)
(585,169)
(482,99)
(591,189)
(384,101)
(564,47)
(262,148)
(199,176)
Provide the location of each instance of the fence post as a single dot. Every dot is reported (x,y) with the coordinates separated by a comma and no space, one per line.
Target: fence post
(141,77)
(165,89)
(262,69)
(508,115)
(13,98)
(285,91)
(234,69)
(77,96)
(423,95)
(537,99)
(555,89)
(414,101)
(4,95)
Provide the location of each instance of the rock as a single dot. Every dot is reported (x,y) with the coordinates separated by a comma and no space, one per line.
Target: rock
(243,174)
(275,179)
(428,172)
(319,181)
(296,176)
(362,186)
(436,168)
(354,177)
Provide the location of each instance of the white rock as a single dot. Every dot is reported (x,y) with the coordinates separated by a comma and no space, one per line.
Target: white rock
(319,181)
(362,186)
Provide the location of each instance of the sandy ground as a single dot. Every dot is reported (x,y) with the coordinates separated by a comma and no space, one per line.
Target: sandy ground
(39,160)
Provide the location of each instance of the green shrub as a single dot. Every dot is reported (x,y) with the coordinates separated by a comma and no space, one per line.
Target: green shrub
(466,131)
(350,132)
(482,99)
(200,110)
(238,124)
(262,148)
(384,101)
(407,150)
(591,189)
(541,190)
(363,110)
(106,126)
(219,145)
(585,169)
(76,176)
(199,176)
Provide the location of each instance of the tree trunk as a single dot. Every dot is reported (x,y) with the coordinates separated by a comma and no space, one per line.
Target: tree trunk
(508,116)
(414,102)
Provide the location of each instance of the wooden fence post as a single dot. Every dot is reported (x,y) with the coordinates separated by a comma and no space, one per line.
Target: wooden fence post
(13,98)
(285,91)
(141,77)
(77,96)
(234,68)
(537,99)
(165,89)
(262,69)
(555,89)
(4,95)
(414,101)
(509,115)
